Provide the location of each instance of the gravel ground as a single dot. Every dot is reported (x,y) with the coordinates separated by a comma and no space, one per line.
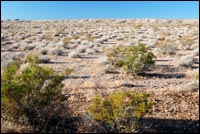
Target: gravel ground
(176,109)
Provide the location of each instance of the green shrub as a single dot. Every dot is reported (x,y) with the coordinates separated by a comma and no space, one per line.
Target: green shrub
(133,59)
(120,111)
(28,96)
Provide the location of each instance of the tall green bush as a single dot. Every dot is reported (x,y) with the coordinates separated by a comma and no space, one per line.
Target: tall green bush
(27,95)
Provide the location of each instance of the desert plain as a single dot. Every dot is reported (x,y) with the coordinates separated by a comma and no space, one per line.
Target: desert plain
(79,44)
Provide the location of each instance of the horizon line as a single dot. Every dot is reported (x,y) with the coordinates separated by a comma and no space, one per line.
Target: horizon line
(107,19)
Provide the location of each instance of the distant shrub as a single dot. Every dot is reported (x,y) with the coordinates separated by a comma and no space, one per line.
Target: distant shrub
(120,112)
(89,38)
(16,45)
(44,59)
(66,40)
(55,51)
(197,76)
(195,52)
(90,51)
(74,54)
(166,47)
(75,36)
(18,56)
(133,59)
(68,71)
(32,96)
(47,37)
(30,58)
(28,47)
(191,86)
(186,61)
(81,49)
(186,42)
(43,51)
(194,46)
(138,26)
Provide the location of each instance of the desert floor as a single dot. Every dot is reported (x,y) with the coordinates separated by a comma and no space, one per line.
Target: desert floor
(170,85)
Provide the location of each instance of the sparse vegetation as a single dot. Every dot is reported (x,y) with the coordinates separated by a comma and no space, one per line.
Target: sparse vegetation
(173,83)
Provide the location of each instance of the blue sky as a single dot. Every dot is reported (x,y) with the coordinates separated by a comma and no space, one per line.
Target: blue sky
(47,10)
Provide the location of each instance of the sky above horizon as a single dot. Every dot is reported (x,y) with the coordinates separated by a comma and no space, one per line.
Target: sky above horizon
(51,10)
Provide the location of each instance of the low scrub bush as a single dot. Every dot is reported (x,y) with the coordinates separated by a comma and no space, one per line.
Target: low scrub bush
(166,47)
(55,51)
(186,61)
(44,59)
(47,37)
(118,112)
(133,59)
(186,42)
(33,96)
(66,40)
(74,54)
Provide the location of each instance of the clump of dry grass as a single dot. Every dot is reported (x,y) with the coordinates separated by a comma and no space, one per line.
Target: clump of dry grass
(66,40)
(47,37)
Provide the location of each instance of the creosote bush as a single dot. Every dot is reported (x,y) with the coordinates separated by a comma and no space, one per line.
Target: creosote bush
(133,59)
(32,96)
(120,112)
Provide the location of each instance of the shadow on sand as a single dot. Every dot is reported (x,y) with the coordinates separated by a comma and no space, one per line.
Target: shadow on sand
(166,76)
(171,125)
